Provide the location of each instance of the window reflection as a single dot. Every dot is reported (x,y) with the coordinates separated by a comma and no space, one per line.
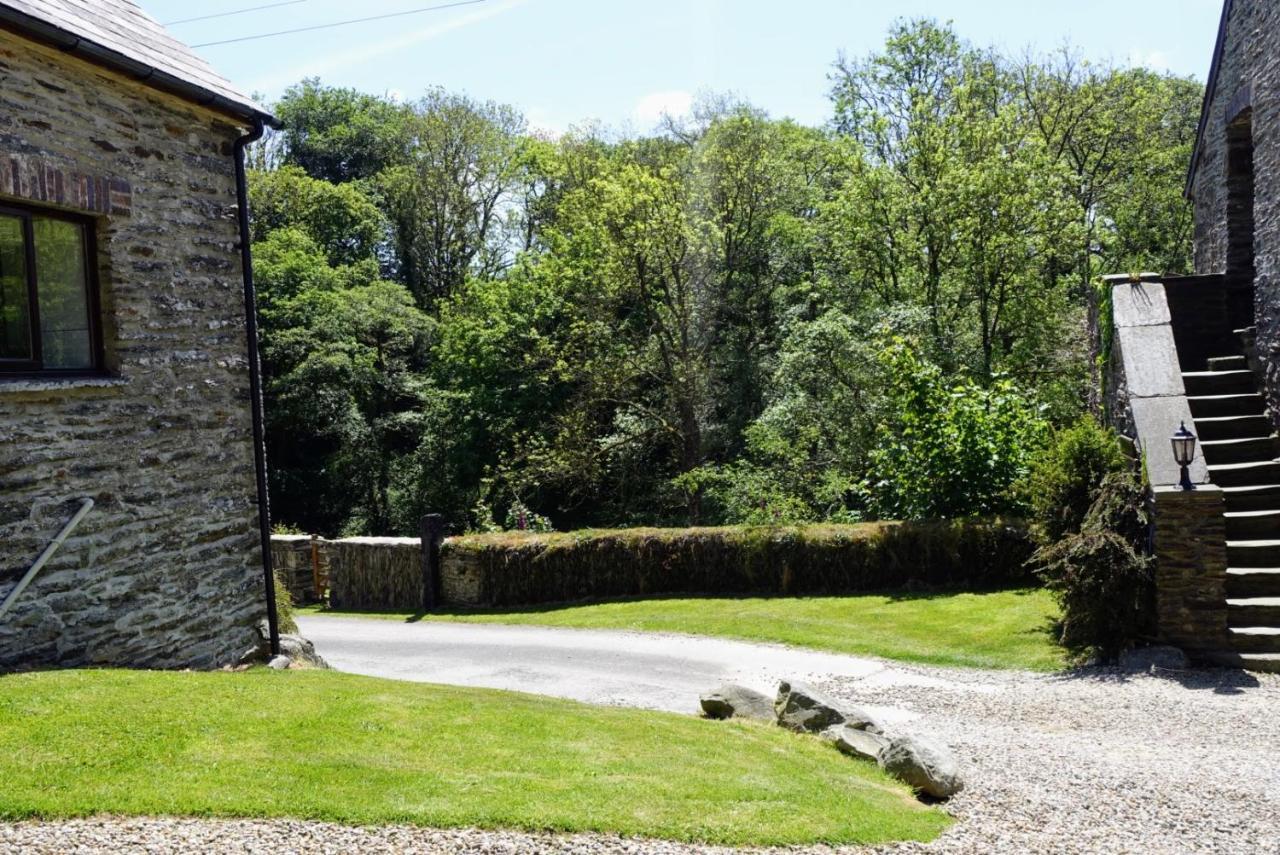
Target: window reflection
(15,313)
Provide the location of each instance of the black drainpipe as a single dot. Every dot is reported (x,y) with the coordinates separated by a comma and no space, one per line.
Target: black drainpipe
(255,382)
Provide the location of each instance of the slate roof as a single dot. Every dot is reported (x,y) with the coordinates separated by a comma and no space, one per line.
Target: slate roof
(119,35)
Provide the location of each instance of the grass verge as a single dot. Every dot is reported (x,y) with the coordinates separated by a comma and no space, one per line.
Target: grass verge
(1001,629)
(356,750)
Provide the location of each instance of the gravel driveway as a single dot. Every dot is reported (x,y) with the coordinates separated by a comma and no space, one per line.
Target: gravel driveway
(1091,762)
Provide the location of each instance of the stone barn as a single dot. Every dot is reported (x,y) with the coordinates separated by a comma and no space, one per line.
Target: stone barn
(132,502)
(1204,350)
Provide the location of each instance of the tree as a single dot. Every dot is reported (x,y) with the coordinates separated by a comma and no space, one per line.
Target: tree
(342,220)
(451,203)
(341,135)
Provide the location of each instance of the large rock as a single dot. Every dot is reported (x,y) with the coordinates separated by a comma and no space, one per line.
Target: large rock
(805,710)
(733,701)
(855,742)
(300,651)
(927,766)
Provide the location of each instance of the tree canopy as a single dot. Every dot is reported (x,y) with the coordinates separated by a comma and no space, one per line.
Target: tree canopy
(737,319)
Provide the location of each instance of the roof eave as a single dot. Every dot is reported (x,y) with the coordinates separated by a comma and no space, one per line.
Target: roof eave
(90,51)
(1210,87)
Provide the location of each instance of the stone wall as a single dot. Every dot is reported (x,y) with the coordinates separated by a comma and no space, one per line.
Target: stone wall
(166,570)
(1191,568)
(1247,90)
(302,564)
(375,573)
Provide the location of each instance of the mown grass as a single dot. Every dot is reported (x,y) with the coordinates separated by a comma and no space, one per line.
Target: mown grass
(357,750)
(1001,629)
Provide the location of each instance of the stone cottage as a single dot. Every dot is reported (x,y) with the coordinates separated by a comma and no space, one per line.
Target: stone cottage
(1204,350)
(132,507)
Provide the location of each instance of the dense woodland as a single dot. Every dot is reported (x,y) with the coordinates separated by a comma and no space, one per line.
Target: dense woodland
(732,319)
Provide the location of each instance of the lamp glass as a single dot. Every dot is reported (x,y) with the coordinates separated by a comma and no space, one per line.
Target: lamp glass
(1184,446)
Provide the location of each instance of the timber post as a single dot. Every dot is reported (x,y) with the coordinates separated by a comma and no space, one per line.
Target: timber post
(432,531)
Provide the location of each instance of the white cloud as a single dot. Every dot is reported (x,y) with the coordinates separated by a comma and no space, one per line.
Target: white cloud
(650,109)
(363,53)
(1156,60)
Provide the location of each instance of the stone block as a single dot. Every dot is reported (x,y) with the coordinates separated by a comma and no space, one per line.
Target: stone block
(1139,304)
(1155,420)
(1150,361)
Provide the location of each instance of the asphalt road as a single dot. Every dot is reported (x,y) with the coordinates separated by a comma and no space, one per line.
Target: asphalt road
(646,670)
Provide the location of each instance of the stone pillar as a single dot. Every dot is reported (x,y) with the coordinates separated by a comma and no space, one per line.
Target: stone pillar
(1191,568)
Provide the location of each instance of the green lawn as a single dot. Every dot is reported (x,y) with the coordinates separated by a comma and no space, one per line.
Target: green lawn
(356,750)
(1004,629)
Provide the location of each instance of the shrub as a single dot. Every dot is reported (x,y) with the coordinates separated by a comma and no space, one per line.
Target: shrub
(954,448)
(521,569)
(1102,575)
(1066,475)
(284,607)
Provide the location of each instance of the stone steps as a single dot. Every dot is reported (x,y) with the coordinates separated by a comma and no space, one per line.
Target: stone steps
(1255,449)
(1255,639)
(1252,525)
(1245,474)
(1252,582)
(1211,406)
(1253,553)
(1200,383)
(1252,497)
(1253,611)
(1267,663)
(1233,427)
(1235,362)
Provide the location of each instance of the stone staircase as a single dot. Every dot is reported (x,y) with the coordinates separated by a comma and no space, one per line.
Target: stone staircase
(1243,456)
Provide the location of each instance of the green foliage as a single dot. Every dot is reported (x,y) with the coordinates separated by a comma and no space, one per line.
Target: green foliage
(687,327)
(344,223)
(524,568)
(1102,575)
(520,518)
(1068,472)
(953,449)
(285,616)
(341,135)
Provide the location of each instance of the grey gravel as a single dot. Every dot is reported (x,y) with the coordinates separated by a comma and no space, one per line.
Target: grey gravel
(1100,760)
(1096,761)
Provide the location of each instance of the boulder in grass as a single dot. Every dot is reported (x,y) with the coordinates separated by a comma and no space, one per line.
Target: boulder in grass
(734,701)
(805,710)
(925,765)
(856,743)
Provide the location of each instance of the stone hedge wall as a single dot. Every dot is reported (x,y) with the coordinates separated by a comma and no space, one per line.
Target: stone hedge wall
(166,570)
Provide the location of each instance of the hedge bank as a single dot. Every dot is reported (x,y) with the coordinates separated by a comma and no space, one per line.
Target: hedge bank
(510,568)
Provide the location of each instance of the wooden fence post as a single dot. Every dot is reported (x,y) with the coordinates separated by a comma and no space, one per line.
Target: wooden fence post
(432,530)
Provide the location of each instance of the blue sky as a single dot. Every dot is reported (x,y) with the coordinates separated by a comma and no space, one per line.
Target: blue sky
(624,61)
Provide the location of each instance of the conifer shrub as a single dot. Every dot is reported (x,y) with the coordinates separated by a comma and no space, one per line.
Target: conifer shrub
(1066,475)
(1102,574)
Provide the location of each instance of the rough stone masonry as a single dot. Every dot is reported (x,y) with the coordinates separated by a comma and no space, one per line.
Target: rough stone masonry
(166,570)
(1236,186)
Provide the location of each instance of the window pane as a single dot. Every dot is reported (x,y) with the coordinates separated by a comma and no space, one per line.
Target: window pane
(62,288)
(15,314)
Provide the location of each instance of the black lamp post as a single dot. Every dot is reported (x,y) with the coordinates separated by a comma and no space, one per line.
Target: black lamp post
(1184,451)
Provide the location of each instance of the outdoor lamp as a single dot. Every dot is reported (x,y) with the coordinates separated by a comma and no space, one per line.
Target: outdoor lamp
(1184,451)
